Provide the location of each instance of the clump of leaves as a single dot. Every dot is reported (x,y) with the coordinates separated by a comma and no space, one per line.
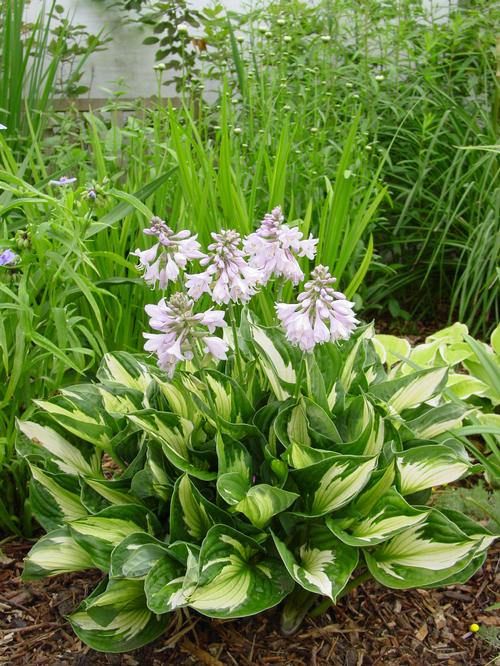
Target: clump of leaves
(231,493)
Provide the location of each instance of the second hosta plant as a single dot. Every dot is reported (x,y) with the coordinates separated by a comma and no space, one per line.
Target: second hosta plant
(271,467)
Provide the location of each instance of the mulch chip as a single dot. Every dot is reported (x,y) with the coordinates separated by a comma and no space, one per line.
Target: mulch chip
(373,626)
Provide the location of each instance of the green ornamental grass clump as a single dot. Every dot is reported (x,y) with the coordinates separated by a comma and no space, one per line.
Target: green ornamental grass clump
(260,467)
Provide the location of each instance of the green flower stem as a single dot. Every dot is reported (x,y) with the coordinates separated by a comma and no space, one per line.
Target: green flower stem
(237,351)
(353,584)
(300,376)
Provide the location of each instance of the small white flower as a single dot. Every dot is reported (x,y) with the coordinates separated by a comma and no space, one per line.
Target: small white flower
(227,277)
(273,248)
(164,262)
(321,314)
(181,331)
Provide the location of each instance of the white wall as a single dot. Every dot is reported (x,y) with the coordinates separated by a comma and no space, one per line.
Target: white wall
(126,57)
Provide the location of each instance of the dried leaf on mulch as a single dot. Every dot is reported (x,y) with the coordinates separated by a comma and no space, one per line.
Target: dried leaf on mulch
(373,626)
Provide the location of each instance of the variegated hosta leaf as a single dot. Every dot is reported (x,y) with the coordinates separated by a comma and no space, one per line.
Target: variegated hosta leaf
(426,466)
(236,577)
(380,483)
(80,410)
(263,501)
(179,400)
(410,390)
(390,515)
(169,583)
(277,359)
(435,421)
(99,534)
(322,564)
(135,555)
(191,514)
(55,553)
(173,432)
(352,368)
(476,532)
(306,424)
(119,400)
(390,348)
(154,479)
(69,458)
(333,483)
(299,456)
(115,618)
(464,386)
(97,494)
(51,502)
(126,369)
(423,555)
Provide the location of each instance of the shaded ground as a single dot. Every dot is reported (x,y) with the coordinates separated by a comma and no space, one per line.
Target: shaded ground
(371,627)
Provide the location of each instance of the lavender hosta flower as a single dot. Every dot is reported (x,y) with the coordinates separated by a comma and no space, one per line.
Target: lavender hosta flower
(274,248)
(164,262)
(320,315)
(8,258)
(63,180)
(181,330)
(228,277)
(2,127)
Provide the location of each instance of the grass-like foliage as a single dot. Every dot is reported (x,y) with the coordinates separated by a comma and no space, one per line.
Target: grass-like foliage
(232,488)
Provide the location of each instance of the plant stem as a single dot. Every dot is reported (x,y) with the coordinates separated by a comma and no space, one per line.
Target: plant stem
(237,352)
(325,605)
(300,376)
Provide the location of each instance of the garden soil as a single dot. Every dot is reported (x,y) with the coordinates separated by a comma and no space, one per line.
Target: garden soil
(373,626)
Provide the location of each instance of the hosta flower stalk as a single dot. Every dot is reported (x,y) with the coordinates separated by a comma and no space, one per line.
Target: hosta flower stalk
(182,332)
(227,276)
(167,259)
(273,249)
(320,315)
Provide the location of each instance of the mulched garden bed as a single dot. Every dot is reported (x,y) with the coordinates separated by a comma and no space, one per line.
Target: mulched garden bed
(372,626)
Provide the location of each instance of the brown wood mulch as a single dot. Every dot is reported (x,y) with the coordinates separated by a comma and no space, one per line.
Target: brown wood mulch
(372,626)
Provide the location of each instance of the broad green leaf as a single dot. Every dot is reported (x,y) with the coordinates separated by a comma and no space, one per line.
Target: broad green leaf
(427,466)
(390,515)
(277,359)
(436,421)
(68,503)
(423,555)
(115,618)
(80,410)
(125,369)
(55,553)
(236,576)
(191,514)
(333,483)
(464,386)
(386,345)
(135,555)
(450,334)
(100,533)
(322,564)
(119,400)
(67,457)
(174,433)
(263,501)
(169,584)
(410,390)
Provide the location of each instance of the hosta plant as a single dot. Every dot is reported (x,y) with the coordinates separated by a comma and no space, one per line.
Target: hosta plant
(259,468)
